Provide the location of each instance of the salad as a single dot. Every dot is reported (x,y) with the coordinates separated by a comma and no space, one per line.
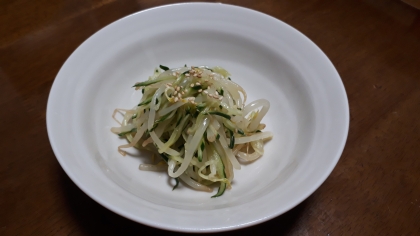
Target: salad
(196,120)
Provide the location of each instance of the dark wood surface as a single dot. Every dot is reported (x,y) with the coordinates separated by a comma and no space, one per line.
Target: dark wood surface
(374,189)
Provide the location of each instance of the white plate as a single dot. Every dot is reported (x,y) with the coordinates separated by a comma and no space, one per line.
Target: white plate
(309,113)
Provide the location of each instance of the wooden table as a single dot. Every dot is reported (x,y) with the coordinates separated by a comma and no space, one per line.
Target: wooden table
(374,190)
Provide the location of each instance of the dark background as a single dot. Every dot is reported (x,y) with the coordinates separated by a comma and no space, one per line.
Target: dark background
(374,190)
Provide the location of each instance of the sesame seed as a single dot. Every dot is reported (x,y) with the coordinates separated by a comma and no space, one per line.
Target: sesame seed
(200,90)
(185,90)
(175,92)
(182,93)
(221,97)
(197,83)
(170,84)
(191,85)
(216,96)
(179,95)
(217,93)
(206,80)
(177,88)
(187,74)
(174,74)
(206,92)
(176,99)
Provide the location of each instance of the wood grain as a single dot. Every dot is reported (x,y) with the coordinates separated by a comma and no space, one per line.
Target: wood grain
(374,190)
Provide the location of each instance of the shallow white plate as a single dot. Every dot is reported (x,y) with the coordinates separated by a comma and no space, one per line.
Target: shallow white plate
(309,113)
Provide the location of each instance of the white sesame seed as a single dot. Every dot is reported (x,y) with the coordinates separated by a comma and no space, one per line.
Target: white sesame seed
(216,96)
(185,90)
(177,88)
(217,93)
(179,95)
(221,97)
(197,83)
(206,92)
(175,92)
(170,84)
(191,85)
(187,74)
(206,80)
(200,90)
(182,93)
(176,99)
(174,74)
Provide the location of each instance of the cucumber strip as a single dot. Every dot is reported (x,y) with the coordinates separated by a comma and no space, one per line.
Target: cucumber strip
(163,117)
(176,184)
(218,113)
(145,102)
(147,83)
(164,157)
(220,168)
(127,132)
(221,92)
(179,121)
(200,155)
(165,68)
(200,151)
(232,140)
(200,107)
(221,190)
(160,120)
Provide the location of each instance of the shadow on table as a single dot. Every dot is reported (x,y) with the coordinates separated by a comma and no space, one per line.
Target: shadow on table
(93,219)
